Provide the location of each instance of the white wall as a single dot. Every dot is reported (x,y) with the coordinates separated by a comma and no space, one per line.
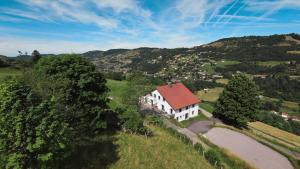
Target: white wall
(180,116)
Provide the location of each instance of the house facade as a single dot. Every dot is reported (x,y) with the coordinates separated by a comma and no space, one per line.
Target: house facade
(175,100)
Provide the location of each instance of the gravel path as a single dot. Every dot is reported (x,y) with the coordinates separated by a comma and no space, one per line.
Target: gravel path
(200,126)
(253,152)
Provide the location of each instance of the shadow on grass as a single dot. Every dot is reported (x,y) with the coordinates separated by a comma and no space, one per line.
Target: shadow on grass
(96,154)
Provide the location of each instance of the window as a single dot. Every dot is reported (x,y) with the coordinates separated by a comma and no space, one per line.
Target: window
(179,110)
(193,105)
(192,112)
(154,95)
(187,107)
(163,107)
(171,111)
(158,97)
(176,118)
(164,99)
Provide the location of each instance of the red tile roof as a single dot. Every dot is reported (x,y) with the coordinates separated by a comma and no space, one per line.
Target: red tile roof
(177,95)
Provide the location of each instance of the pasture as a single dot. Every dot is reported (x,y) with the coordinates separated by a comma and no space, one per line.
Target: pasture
(211,95)
(117,90)
(9,71)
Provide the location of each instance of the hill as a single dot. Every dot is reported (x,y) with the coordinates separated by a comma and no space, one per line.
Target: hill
(194,62)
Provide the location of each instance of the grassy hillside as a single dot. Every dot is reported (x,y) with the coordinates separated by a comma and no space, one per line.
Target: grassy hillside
(117,90)
(160,151)
(275,132)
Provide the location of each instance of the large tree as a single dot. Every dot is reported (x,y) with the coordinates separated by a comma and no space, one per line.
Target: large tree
(35,56)
(239,101)
(43,115)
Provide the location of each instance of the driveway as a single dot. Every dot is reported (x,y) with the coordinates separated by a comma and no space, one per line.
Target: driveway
(250,150)
(200,126)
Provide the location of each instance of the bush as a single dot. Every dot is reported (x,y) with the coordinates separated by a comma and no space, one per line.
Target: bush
(155,120)
(199,148)
(213,157)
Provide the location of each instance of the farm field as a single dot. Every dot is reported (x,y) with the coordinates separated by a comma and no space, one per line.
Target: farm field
(277,133)
(270,63)
(211,95)
(117,90)
(8,71)
(222,81)
(160,151)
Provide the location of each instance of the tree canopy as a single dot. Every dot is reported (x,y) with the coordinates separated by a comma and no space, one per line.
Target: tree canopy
(239,101)
(48,110)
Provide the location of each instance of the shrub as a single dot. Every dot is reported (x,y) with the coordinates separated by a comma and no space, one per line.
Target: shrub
(213,157)
(199,148)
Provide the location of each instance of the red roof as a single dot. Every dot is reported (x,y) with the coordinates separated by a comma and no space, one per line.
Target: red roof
(177,95)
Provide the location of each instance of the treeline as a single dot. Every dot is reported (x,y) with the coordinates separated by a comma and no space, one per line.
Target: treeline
(252,68)
(281,87)
(279,122)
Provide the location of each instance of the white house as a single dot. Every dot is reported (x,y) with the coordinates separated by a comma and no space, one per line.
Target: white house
(175,100)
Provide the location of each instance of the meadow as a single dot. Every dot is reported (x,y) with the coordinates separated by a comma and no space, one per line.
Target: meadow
(117,90)
(211,95)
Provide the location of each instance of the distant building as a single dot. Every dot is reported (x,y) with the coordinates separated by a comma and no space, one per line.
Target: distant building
(285,115)
(175,100)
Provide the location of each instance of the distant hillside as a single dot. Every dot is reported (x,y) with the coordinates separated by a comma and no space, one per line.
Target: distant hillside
(163,61)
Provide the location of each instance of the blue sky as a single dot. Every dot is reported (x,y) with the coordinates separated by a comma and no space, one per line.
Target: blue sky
(72,26)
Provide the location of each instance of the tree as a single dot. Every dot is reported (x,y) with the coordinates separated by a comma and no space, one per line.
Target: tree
(35,56)
(32,133)
(77,88)
(239,101)
(44,115)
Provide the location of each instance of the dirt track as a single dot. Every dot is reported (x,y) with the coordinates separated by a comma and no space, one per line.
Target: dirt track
(250,150)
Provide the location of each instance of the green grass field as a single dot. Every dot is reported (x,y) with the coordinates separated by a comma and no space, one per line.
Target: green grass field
(222,81)
(160,151)
(211,95)
(9,71)
(225,63)
(207,106)
(117,90)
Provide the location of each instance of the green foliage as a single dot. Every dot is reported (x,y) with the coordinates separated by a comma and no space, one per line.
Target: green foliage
(281,87)
(239,102)
(76,87)
(49,110)
(155,120)
(31,131)
(213,157)
(131,120)
(279,122)
(199,148)
(35,56)
(196,85)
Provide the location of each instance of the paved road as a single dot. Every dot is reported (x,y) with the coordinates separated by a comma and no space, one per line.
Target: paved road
(250,150)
